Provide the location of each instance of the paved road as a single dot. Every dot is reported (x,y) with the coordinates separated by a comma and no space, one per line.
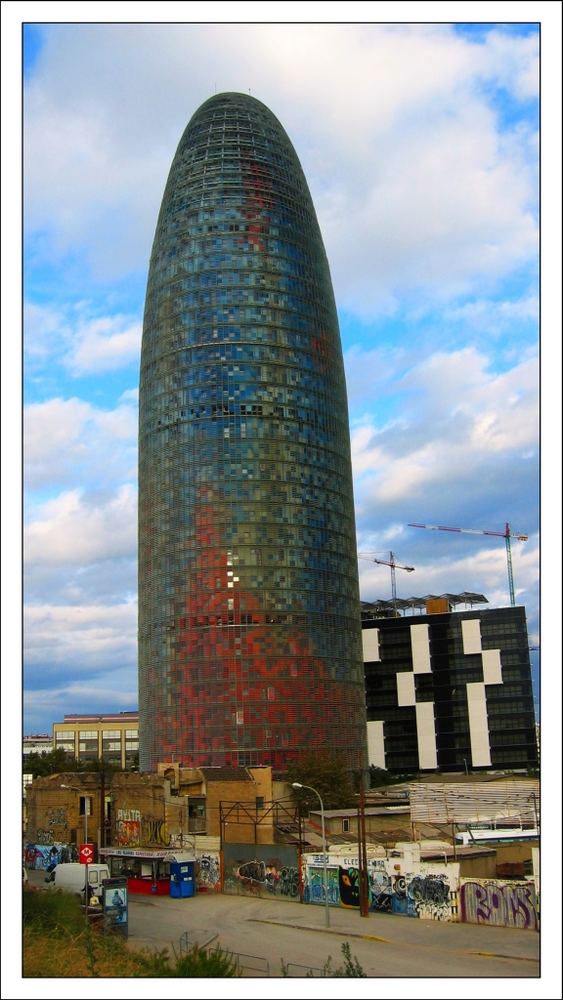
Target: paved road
(385,945)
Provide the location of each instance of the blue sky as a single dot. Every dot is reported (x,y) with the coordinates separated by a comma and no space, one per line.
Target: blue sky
(420,145)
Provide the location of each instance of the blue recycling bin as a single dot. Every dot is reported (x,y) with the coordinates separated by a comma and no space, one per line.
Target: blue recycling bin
(182,879)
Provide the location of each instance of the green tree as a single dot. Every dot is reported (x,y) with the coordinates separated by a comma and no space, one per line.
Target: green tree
(327,774)
(55,762)
(379,776)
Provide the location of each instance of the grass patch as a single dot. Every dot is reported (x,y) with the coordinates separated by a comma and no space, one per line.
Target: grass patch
(58,943)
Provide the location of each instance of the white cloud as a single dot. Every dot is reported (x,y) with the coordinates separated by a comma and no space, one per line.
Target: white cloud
(474,565)
(74,529)
(460,428)
(82,343)
(495,316)
(416,189)
(104,345)
(45,329)
(71,441)
(81,635)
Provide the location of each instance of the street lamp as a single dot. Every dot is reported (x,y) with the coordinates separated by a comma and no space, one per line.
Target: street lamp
(75,788)
(297,784)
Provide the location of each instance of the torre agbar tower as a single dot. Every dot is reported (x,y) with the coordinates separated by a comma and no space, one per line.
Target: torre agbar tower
(250,647)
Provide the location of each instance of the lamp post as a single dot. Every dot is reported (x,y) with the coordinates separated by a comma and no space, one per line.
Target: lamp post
(86,810)
(297,784)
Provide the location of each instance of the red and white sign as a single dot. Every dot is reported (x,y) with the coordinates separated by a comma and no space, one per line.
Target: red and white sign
(86,854)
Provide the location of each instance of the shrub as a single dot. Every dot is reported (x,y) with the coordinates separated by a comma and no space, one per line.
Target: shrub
(196,963)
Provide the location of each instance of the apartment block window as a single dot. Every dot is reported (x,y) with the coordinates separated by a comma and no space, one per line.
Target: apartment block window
(65,741)
(111,745)
(88,743)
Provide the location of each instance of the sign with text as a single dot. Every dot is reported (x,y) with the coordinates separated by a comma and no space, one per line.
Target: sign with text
(86,853)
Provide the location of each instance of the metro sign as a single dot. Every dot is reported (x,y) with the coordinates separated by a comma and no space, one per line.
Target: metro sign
(86,854)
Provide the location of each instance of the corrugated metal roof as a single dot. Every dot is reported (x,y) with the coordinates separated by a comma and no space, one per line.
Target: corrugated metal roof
(475,801)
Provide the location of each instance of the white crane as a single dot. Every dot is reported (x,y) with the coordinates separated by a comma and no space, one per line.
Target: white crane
(394,565)
(507,534)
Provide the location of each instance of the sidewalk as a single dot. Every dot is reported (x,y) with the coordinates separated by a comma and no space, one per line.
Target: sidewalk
(207,914)
(499,942)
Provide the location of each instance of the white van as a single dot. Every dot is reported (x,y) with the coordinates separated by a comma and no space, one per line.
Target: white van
(71,877)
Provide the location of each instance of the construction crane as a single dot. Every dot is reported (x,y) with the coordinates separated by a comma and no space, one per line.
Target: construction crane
(507,534)
(394,565)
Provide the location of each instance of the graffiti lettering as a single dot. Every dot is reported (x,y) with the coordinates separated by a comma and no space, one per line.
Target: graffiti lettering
(503,904)
(289,882)
(128,833)
(276,881)
(56,816)
(45,836)
(127,815)
(154,831)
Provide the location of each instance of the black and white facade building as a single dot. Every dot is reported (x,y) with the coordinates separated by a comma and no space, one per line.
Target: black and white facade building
(449,691)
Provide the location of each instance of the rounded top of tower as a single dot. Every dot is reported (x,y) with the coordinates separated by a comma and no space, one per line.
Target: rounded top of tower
(230,103)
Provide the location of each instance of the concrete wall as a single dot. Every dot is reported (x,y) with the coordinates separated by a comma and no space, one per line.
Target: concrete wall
(500,904)
(395,885)
(53,813)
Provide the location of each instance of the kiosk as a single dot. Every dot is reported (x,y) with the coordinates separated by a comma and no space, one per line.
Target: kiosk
(148,871)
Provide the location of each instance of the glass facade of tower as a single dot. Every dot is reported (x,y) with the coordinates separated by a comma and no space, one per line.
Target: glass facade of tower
(249,622)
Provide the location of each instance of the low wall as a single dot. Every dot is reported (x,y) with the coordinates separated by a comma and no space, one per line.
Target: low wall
(395,885)
(261,870)
(499,903)
(208,871)
(42,856)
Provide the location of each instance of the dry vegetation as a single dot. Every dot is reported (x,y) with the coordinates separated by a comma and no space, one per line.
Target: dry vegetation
(57,943)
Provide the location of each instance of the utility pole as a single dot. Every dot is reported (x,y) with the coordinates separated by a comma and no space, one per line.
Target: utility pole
(362,853)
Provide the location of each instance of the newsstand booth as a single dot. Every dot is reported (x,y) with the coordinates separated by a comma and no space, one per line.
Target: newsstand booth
(154,873)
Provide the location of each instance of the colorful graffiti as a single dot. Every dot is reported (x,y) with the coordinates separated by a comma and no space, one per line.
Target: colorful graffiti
(132,830)
(46,855)
(349,886)
(380,887)
(208,873)
(128,828)
(504,904)
(314,890)
(429,896)
(275,880)
(419,893)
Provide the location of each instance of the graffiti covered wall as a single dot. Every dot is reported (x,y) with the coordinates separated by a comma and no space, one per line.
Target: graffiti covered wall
(261,870)
(503,904)
(415,889)
(208,872)
(45,855)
